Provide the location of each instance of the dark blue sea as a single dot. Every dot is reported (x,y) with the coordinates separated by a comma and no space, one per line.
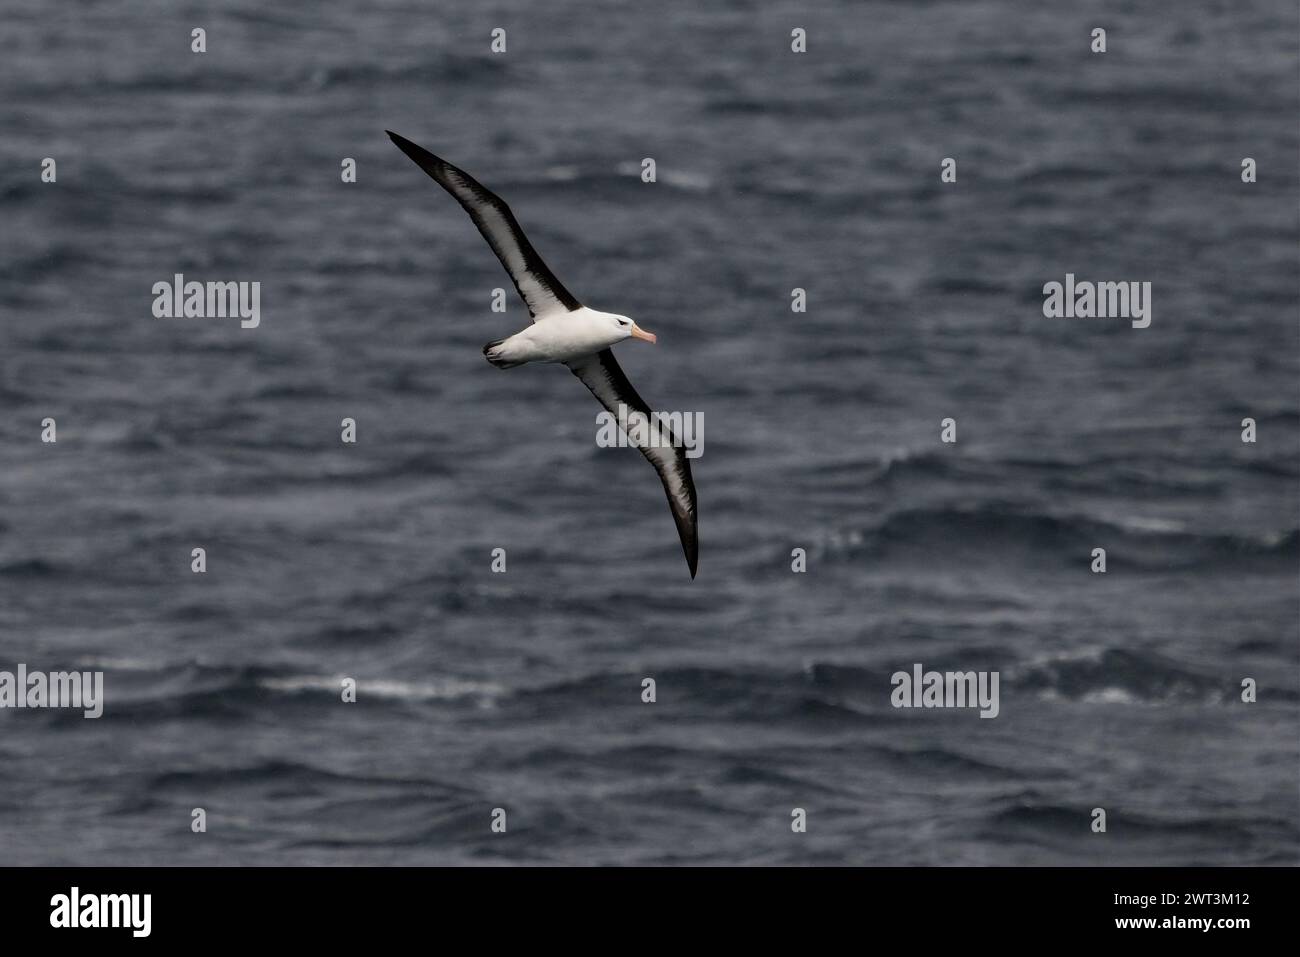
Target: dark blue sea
(522,690)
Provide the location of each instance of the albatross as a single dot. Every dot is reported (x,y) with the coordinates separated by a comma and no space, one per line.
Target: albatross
(565,331)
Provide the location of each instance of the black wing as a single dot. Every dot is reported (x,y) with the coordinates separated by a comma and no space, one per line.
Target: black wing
(537,285)
(602,375)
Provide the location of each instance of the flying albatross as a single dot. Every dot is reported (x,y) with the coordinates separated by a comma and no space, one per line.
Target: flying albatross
(564,330)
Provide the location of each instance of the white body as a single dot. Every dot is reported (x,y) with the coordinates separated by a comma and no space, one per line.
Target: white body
(562,336)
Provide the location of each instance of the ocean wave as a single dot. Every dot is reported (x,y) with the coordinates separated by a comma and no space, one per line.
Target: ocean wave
(281,772)
(143,689)
(1122,676)
(446,689)
(680,179)
(1141,542)
(1058,820)
(1070,472)
(735,693)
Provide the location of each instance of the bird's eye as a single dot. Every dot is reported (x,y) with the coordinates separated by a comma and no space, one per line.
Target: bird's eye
(624,322)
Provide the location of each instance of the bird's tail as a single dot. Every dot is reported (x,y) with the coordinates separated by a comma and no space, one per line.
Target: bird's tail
(496,355)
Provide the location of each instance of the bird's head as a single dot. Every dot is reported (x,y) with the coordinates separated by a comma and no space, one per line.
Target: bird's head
(627,329)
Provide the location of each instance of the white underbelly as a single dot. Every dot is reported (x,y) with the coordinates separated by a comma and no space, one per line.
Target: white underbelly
(562,339)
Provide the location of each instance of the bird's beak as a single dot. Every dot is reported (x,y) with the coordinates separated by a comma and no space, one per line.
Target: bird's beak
(639,333)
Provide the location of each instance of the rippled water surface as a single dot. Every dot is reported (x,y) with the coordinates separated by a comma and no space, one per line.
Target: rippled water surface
(522,690)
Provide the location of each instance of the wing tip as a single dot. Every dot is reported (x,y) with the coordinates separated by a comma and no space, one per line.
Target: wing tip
(417,153)
(403,144)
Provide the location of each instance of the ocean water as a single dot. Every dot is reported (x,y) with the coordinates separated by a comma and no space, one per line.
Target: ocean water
(522,690)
